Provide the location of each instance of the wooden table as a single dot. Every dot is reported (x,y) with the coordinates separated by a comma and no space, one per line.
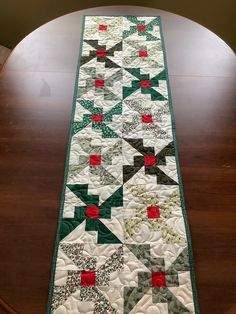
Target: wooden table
(36,90)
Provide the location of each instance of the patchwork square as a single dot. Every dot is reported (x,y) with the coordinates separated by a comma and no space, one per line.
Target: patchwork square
(98,118)
(100,83)
(92,211)
(153,212)
(145,83)
(88,278)
(142,119)
(141,28)
(149,160)
(102,27)
(101,54)
(142,54)
(96,161)
(158,279)
(106,28)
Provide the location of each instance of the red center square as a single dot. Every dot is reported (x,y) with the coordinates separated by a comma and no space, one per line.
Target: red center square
(97,117)
(141,28)
(153,212)
(144,83)
(88,278)
(150,160)
(147,118)
(92,211)
(99,82)
(158,279)
(95,160)
(143,53)
(101,53)
(102,27)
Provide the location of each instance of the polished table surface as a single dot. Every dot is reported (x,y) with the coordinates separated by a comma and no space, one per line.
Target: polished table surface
(36,90)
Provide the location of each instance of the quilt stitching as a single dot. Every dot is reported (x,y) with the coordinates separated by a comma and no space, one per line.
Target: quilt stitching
(123,245)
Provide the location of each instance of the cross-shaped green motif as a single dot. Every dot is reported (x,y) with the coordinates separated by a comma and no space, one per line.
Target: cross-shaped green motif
(92,224)
(106,117)
(162,294)
(149,27)
(148,89)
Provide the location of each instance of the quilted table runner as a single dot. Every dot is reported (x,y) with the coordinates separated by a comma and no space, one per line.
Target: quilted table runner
(123,243)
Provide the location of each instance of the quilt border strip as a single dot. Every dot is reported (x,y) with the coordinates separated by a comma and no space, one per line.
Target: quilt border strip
(66,168)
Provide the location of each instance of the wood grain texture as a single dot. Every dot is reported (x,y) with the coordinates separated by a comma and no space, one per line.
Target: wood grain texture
(20,18)
(36,90)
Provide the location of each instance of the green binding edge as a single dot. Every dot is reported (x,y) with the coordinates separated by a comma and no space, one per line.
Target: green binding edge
(170,103)
(54,258)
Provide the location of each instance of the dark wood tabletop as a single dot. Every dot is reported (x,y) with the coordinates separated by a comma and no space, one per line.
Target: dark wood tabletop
(36,90)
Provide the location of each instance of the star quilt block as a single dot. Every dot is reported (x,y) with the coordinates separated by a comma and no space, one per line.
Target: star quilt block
(138,28)
(95,161)
(147,83)
(105,84)
(109,54)
(98,118)
(142,54)
(103,27)
(143,119)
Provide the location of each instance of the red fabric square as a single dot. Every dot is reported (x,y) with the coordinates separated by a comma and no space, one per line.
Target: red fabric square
(153,212)
(150,160)
(147,118)
(95,160)
(158,279)
(143,53)
(144,83)
(97,117)
(141,28)
(88,278)
(99,82)
(102,27)
(92,211)
(101,53)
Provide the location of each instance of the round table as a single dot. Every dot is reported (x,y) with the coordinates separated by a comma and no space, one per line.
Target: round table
(36,90)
